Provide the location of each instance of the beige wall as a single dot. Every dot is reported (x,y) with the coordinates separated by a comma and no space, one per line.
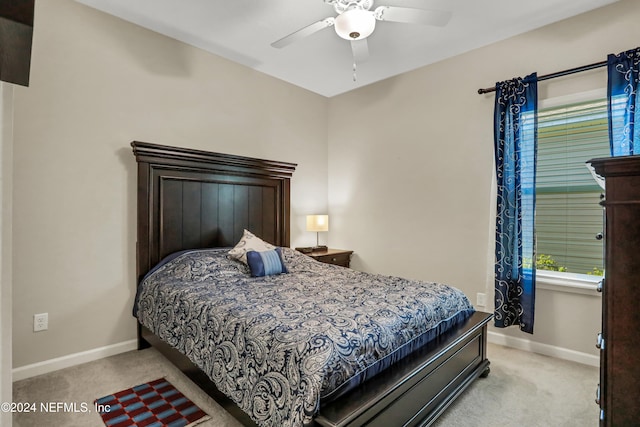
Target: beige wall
(411,184)
(97,83)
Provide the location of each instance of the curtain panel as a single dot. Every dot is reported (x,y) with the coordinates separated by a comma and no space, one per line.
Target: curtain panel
(622,93)
(515,138)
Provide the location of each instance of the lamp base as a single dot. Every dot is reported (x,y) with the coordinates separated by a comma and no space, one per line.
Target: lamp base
(309,249)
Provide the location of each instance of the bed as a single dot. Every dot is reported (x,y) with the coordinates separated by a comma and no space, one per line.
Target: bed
(195,205)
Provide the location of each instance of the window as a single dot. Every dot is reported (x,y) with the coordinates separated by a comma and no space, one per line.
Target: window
(568,215)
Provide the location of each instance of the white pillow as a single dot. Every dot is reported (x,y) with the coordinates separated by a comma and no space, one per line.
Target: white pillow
(249,242)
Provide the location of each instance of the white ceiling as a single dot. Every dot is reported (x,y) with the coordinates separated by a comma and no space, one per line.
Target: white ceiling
(243,30)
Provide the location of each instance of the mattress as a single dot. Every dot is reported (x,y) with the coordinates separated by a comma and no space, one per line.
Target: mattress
(280,345)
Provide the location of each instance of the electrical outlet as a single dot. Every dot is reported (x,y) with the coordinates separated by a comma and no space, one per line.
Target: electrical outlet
(481,300)
(40,322)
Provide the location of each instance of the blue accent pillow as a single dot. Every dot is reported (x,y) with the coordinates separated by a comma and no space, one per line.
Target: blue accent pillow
(266,263)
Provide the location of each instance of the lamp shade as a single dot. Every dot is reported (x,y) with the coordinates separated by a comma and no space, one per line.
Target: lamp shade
(355,24)
(317,223)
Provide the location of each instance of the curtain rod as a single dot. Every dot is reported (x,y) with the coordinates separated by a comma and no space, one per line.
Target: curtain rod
(554,75)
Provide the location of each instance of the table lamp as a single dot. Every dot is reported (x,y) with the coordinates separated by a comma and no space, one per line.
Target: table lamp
(318,223)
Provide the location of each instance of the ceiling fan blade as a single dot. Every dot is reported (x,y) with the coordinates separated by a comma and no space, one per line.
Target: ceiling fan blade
(360,50)
(412,16)
(303,32)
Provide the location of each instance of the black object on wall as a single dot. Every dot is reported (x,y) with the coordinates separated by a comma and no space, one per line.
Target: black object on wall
(16,35)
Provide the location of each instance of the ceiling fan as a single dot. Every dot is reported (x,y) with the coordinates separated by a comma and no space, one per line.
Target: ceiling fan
(356,21)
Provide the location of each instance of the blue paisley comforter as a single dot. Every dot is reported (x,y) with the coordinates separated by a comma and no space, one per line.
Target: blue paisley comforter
(276,345)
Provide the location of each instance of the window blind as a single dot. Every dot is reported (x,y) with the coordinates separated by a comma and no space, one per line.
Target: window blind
(568,215)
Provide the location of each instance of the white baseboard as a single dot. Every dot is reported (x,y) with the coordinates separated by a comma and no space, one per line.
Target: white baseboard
(546,349)
(51,365)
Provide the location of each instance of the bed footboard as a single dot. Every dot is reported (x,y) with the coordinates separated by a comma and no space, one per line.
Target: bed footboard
(417,391)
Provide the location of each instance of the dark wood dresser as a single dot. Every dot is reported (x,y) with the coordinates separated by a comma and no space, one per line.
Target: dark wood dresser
(339,257)
(619,342)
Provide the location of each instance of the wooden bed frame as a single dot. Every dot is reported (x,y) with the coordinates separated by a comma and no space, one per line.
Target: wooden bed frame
(193,199)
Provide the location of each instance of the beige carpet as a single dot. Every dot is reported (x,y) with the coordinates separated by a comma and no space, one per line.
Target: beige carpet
(527,390)
(523,389)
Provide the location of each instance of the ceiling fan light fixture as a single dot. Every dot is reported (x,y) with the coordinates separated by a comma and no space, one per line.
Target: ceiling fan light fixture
(355,24)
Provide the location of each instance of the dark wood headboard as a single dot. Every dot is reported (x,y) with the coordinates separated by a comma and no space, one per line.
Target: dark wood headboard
(191,199)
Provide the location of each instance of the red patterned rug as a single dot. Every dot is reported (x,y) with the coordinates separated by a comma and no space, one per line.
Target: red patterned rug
(154,404)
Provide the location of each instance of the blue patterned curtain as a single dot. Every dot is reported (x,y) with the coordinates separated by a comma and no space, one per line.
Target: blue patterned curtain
(622,94)
(516,129)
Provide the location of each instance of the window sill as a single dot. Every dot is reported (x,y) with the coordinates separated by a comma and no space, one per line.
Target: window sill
(574,283)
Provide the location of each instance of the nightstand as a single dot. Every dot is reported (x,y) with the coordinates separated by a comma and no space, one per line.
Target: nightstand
(339,257)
